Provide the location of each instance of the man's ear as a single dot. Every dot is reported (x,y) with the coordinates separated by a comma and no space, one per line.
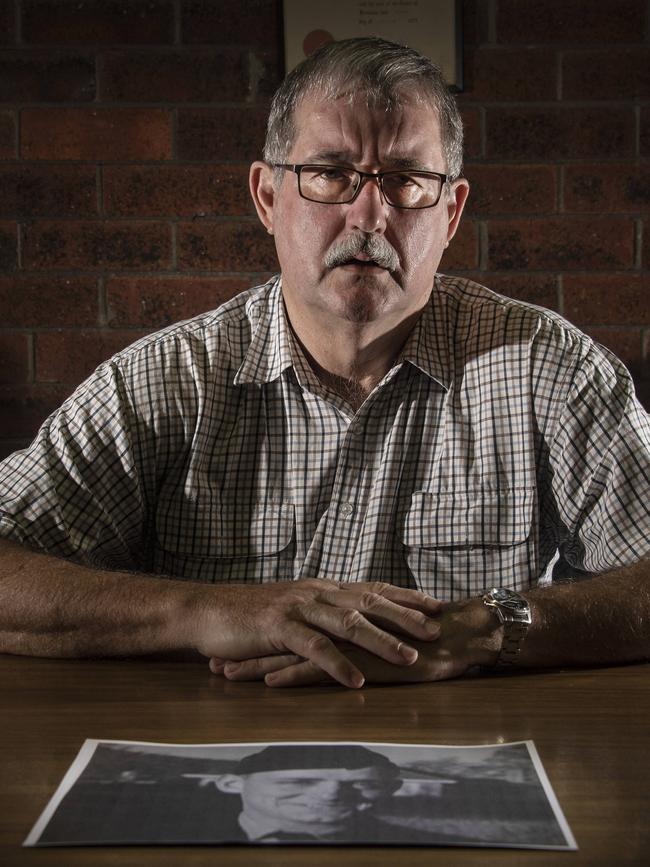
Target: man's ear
(260,180)
(455,203)
(229,783)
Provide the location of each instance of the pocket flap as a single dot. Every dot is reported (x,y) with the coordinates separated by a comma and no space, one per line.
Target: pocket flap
(461,520)
(225,529)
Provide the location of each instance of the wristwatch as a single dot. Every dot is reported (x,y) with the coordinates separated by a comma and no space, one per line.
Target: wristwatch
(513,612)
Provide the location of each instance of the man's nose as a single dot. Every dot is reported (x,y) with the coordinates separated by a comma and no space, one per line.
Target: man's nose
(367,213)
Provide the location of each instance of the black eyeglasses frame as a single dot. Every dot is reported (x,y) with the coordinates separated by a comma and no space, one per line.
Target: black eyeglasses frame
(378,176)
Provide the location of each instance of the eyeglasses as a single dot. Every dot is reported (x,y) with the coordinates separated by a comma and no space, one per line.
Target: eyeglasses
(335,185)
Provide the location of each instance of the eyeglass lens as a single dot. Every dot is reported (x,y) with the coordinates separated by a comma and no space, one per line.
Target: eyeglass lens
(332,185)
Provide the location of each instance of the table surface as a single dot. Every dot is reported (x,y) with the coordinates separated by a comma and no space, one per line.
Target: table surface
(590,727)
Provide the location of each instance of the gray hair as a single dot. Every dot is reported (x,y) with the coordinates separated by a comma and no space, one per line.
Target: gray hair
(383,71)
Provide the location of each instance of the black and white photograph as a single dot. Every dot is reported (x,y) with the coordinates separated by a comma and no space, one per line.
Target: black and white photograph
(307,793)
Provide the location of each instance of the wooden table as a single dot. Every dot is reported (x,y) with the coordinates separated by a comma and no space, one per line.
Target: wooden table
(591,728)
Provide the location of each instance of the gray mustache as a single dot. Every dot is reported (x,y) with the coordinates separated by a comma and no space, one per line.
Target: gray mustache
(374,246)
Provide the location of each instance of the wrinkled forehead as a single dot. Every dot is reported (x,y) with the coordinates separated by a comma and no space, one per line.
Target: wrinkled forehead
(348,128)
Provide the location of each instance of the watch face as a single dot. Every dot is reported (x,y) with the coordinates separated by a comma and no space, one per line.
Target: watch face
(508,599)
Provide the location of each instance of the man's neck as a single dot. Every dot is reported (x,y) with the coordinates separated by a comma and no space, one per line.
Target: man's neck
(351,358)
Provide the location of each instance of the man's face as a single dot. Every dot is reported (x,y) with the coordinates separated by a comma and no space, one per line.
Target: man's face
(345,131)
(311,801)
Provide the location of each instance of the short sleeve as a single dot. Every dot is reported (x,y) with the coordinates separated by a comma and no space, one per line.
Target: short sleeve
(79,491)
(600,464)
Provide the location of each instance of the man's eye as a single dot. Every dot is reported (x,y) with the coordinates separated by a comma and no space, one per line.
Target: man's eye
(402,180)
(332,175)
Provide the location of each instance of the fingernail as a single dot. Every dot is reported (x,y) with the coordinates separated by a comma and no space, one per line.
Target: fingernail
(231,668)
(410,654)
(357,681)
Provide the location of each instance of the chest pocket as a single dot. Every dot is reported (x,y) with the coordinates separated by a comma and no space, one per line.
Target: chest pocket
(223,541)
(458,544)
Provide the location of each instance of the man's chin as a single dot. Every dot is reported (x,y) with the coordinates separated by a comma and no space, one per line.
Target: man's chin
(362,297)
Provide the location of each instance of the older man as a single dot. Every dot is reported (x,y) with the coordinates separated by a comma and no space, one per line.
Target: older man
(359,419)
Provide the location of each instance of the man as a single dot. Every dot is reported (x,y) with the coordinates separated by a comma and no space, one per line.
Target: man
(360,419)
(322,795)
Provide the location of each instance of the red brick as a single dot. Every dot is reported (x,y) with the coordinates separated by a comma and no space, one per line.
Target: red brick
(511,189)
(71,356)
(462,253)
(38,76)
(539,289)
(559,133)
(225,133)
(472,129)
(607,74)
(625,343)
(571,244)
(23,408)
(241,246)
(645,132)
(7,135)
(153,302)
(7,21)
(100,22)
(8,246)
(96,134)
(607,299)
(115,245)
(33,300)
(53,190)
(14,357)
(185,191)
(256,22)
(506,74)
(189,75)
(565,21)
(608,187)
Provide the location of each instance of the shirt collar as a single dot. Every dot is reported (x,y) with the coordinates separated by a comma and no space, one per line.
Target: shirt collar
(428,345)
(269,352)
(272,349)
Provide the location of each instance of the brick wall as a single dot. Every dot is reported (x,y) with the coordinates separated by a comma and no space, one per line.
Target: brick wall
(126,129)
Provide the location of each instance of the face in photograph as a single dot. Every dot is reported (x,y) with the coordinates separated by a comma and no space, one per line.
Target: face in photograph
(319,802)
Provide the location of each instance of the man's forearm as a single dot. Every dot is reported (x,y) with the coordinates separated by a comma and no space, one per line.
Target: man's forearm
(603,619)
(52,607)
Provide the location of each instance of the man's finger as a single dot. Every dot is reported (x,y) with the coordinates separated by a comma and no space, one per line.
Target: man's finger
(256,669)
(386,613)
(302,673)
(351,626)
(315,646)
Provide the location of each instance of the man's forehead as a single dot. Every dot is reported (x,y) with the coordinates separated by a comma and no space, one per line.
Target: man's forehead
(343,774)
(337,130)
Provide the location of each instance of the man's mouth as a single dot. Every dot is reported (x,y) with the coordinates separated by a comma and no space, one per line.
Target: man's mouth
(362,261)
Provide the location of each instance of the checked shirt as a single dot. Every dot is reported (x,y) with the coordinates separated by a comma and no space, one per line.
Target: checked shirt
(502,447)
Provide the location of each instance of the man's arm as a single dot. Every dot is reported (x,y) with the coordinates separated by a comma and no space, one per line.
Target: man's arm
(52,607)
(599,620)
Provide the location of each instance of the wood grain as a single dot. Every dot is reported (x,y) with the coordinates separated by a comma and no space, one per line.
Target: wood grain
(590,727)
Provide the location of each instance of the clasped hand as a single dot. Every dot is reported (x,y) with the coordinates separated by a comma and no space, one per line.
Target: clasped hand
(462,636)
(319,623)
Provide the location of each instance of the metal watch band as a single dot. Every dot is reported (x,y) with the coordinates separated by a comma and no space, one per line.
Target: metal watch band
(515,620)
(513,636)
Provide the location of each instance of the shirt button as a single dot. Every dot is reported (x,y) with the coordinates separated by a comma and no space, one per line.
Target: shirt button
(346,509)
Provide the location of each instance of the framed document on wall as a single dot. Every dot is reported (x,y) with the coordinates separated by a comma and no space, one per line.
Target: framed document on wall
(432,27)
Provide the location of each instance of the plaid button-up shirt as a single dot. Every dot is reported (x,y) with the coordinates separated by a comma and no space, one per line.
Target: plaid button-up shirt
(503,441)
